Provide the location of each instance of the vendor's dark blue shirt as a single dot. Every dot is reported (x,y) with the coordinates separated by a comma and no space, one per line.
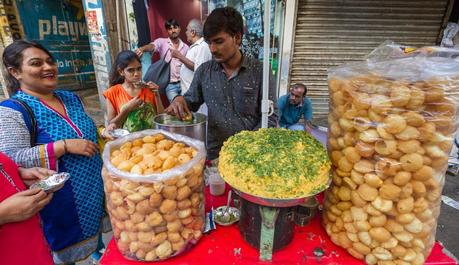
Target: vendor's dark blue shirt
(290,114)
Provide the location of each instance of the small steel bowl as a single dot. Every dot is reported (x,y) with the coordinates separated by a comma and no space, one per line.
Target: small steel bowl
(117,133)
(232,211)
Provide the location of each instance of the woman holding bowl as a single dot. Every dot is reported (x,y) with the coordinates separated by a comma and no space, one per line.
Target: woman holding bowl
(44,127)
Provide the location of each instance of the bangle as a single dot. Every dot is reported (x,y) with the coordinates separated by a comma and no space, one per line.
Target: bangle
(65,145)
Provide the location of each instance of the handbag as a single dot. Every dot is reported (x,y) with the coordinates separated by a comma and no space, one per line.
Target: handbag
(159,73)
(33,121)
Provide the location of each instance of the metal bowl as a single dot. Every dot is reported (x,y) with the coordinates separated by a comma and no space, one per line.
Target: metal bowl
(277,202)
(117,133)
(196,128)
(220,211)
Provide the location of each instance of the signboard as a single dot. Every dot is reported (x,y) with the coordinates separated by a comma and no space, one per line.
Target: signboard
(10,25)
(10,30)
(60,26)
(98,40)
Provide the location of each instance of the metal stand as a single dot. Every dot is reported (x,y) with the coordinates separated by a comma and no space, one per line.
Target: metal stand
(268,221)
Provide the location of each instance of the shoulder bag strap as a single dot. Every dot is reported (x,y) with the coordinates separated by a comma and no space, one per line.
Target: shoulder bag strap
(165,55)
(33,121)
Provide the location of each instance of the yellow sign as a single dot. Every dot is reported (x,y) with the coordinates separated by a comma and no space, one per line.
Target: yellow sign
(10,24)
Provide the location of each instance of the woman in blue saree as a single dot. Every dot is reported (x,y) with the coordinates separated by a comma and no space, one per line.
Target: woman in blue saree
(43,127)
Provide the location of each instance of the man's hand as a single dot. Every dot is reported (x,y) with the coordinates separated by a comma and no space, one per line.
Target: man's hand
(178,108)
(308,127)
(32,175)
(23,205)
(81,147)
(139,51)
(145,48)
(176,54)
(152,86)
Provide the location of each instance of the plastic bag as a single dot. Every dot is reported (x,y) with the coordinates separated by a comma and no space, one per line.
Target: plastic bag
(140,118)
(391,127)
(155,215)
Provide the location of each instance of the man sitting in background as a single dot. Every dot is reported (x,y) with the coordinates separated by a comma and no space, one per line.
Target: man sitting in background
(293,106)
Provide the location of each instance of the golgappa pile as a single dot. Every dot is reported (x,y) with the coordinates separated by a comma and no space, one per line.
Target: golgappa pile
(154,220)
(389,140)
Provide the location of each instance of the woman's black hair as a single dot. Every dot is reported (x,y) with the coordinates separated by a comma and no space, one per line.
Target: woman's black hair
(12,58)
(225,19)
(123,59)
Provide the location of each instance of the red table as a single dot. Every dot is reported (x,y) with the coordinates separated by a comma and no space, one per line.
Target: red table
(226,246)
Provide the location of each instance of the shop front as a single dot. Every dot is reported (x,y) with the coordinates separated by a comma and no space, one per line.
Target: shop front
(60,27)
(329,33)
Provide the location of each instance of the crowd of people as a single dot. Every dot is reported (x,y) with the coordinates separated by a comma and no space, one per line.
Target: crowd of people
(44,130)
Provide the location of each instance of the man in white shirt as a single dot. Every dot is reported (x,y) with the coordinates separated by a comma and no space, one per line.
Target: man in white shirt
(197,54)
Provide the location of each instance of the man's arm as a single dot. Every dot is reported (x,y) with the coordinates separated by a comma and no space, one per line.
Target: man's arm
(151,47)
(307,126)
(187,62)
(194,96)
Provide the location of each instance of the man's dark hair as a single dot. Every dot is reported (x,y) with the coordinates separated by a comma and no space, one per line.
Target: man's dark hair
(171,23)
(225,19)
(298,85)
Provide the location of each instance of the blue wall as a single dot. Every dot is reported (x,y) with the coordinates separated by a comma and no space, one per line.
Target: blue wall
(60,26)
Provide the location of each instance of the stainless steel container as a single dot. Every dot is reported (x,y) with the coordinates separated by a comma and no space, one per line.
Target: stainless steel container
(197,128)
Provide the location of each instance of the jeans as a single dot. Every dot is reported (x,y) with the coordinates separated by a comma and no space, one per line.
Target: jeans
(173,90)
(296,127)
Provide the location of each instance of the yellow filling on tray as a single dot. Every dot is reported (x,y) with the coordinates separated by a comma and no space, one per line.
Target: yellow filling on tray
(275,163)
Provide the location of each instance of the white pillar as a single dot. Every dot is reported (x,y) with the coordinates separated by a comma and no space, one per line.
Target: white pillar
(265,102)
(98,41)
(287,44)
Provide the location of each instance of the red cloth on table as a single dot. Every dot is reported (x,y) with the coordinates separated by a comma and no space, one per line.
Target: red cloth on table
(226,246)
(21,243)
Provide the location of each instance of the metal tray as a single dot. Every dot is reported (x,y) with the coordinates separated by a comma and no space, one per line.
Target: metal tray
(276,202)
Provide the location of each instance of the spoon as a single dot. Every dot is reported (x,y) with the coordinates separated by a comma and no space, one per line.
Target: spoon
(226,216)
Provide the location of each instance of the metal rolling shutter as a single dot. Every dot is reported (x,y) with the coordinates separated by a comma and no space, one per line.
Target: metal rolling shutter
(331,32)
